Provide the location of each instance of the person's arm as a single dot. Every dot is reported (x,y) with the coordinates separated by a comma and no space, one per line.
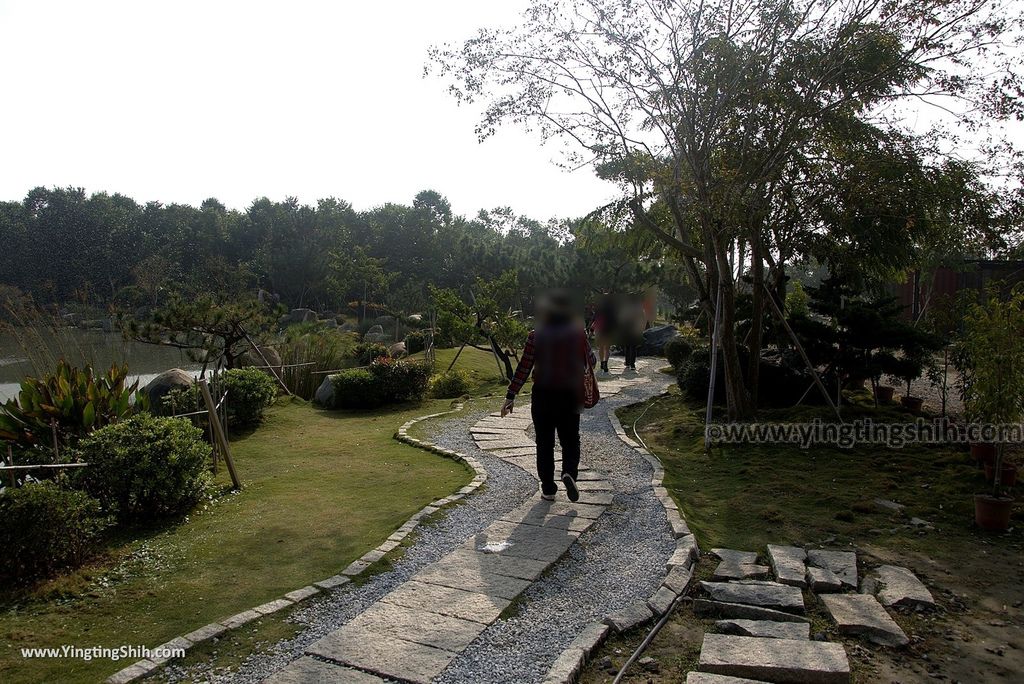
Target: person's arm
(521,375)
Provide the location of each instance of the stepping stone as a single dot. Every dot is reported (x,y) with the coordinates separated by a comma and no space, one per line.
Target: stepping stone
(308,670)
(472,579)
(419,626)
(518,452)
(495,563)
(775,660)
(468,605)
(863,615)
(709,678)
(503,435)
(760,594)
(728,570)
(901,587)
(735,557)
(529,541)
(822,580)
(629,617)
(383,655)
(788,564)
(494,445)
(765,628)
(704,607)
(842,563)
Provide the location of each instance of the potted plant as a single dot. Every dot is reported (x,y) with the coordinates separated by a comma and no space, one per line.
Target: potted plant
(991,347)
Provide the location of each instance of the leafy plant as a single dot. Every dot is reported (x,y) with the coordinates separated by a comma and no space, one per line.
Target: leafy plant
(250,390)
(365,352)
(357,388)
(401,380)
(74,401)
(145,467)
(415,341)
(450,384)
(307,354)
(47,528)
(678,351)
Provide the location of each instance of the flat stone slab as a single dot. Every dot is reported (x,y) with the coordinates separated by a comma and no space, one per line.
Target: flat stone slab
(765,628)
(704,607)
(496,444)
(467,605)
(709,678)
(901,587)
(495,563)
(862,615)
(761,594)
(308,670)
(792,661)
(417,625)
(735,557)
(728,570)
(529,541)
(629,617)
(823,580)
(788,564)
(472,579)
(516,452)
(382,654)
(842,563)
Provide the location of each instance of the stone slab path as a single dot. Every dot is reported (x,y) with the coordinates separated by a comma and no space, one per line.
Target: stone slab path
(416,630)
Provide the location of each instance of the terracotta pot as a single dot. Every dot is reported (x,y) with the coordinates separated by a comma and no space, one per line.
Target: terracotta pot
(992,512)
(912,403)
(883,394)
(1009,475)
(984,453)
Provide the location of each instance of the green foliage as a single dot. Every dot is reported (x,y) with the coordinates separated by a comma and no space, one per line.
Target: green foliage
(365,352)
(415,341)
(182,400)
(450,384)
(989,354)
(250,390)
(678,351)
(357,388)
(75,400)
(797,299)
(401,380)
(145,467)
(45,529)
(326,350)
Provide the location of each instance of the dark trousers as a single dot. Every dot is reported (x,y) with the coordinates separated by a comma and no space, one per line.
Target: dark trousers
(556,411)
(629,348)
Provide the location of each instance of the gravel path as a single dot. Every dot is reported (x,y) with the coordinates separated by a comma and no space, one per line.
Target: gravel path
(617,562)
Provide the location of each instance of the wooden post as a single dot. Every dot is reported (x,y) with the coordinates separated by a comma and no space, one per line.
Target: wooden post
(219,433)
(714,366)
(266,363)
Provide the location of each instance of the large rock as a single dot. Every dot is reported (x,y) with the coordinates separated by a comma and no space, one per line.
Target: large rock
(788,563)
(298,316)
(842,563)
(157,388)
(397,350)
(252,358)
(655,338)
(325,393)
(900,587)
(709,678)
(775,660)
(721,609)
(761,594)
(862,615)
(376,337)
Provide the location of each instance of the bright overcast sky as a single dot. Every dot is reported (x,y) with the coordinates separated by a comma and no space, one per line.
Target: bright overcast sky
(179,101)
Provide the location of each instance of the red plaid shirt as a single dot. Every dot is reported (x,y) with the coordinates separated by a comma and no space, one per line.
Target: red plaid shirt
(556,356)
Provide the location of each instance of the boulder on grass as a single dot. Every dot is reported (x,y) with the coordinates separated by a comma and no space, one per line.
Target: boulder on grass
(298,316)
(397,350)
(157,388)
(325,393)
(655,339)
(251,358)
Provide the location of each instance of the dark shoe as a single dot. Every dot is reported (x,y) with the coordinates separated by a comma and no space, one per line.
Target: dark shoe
(571,490)
(547,492)
(604,366)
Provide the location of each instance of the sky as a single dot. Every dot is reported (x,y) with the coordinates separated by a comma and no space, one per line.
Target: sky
(180,100)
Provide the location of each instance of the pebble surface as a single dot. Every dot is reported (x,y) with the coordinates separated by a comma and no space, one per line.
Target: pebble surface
(617,562)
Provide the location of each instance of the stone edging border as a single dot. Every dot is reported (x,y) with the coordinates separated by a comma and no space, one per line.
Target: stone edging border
(679,571)
(147,666)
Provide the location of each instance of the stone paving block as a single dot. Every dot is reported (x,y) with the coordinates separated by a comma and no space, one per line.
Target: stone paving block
(382,655)
(168,647)
(721,609)
(661,601)
(473,579)
(765,628)
(594,486)
(133,672)
(273,606)
(308,670)
(629,617)
(585,475)
(735,557)
(560,522)
(502,444)
(710,678)
(496,563)
(775,660)
(823,580)
(302,594)
(728,570)
(517,452)
(842,563)
(333,582)
(591,637)
(862,615)
(763,595)
(354,568)
(417,625)
(566,667)
(901,587)
(504,435)
(529,541)
(686,554)
(788,564)
(678,579)
(206,632)
(240,619)
(467,605)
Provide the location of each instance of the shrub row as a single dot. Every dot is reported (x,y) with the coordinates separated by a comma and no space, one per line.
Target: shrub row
(385,381)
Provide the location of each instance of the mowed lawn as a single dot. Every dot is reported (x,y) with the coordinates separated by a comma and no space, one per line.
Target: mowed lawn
(320,489)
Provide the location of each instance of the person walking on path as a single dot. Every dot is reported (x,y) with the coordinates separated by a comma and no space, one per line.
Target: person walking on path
(632,326)
(557,354)
(604,328)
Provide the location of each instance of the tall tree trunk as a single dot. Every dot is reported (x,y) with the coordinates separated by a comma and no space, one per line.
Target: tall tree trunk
(757,317)
(737,396)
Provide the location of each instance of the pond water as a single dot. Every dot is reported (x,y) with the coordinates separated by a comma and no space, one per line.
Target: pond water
(31,351)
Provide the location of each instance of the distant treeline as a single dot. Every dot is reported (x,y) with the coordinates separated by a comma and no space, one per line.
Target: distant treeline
(61,245)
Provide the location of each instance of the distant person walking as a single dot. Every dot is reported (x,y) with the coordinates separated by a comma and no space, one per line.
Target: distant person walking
(558,355)
(631,328)
(604,328)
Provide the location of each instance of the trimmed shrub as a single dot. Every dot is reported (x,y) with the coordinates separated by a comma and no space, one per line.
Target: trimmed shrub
(401,380)
(145,467)
(365,352)
(357,388)
(415,341)
(678,351)
(45,529)
(780,384)
(450,384)
(250,390)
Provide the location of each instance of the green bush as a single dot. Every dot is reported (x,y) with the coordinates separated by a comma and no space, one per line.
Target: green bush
(357,388)
(145,467)
(678,351)
(45,529)
(401,380)
(250,390)
(415,341)
(365,352)
(450,384)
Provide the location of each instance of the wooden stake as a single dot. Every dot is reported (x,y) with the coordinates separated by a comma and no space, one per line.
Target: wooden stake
(267,363)
(219,433)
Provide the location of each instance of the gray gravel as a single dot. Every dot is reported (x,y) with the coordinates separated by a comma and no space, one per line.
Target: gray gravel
(617,562)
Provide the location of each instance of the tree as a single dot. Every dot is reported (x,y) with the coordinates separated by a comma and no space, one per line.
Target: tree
(714,117)
(355,272)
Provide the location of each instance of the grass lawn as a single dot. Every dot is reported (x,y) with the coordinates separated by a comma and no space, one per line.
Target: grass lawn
(320,489)
(746,496)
